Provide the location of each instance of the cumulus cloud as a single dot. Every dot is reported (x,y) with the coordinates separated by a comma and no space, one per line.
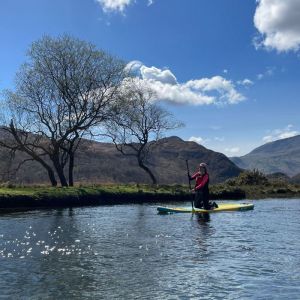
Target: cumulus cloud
(114,5)
(203,91)
(197,139)
(232,150)
(245,82)
(164,76)
(279,134)
(278,22)
(219,139)
(134,66)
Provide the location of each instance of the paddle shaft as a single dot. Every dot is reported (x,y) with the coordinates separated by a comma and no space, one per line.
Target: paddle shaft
(188,174)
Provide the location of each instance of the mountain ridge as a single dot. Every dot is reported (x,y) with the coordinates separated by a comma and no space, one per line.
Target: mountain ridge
(99,162)
(278,156)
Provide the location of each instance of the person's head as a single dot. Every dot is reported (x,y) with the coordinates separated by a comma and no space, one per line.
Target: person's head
(203,168)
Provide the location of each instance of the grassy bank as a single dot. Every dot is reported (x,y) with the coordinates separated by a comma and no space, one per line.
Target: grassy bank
(32,197)
(18,197)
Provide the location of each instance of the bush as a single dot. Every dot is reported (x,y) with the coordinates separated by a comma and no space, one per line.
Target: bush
(254,177)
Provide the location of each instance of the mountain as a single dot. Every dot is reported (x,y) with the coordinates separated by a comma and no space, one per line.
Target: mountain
(101,163)
(296,179)
(280,156)
(278,177)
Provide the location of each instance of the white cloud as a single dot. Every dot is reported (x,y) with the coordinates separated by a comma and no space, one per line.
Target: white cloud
(267,73)
(278,22)
(150,2)
(260,76)
(203,91)
(219,139)
(197,139)
(134,66)
(232,150)
(114,5)
(245,82)
(164,76)
(279,134)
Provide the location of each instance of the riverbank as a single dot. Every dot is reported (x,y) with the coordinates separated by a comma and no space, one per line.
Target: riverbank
(49,197)
(39,197)
(43,197)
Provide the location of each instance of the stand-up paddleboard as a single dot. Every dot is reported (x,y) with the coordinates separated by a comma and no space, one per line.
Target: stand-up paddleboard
(221,207)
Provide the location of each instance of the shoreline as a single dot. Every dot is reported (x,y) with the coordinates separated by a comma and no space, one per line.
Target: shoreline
(49,197)
(27,198)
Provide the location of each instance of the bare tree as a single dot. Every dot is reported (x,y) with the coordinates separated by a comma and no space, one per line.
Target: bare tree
(7,172)
(65,89)
(139,123)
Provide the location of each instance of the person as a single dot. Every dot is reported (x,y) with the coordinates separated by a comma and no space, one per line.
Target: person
(201,188)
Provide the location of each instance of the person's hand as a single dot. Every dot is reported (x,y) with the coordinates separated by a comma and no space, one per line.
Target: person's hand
(193,191)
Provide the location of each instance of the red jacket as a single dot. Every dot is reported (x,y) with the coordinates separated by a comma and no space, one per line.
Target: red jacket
(201,180)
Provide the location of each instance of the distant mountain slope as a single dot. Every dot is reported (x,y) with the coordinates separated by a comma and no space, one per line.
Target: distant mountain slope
(102,163)
(279,156)
(296,179)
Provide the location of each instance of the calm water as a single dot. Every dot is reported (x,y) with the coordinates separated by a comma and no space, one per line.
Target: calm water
(130,252)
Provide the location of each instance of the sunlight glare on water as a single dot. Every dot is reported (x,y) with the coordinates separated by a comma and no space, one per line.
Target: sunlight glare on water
(129,251)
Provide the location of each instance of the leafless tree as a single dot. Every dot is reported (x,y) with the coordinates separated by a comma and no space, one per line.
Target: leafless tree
(65,89)
(139,123)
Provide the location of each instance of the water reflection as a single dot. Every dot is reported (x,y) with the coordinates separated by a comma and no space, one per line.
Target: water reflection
(203,218)
(52,252)
(203,235)
(130,252)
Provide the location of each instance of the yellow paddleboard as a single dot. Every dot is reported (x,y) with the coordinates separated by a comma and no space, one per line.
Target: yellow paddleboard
(221,207)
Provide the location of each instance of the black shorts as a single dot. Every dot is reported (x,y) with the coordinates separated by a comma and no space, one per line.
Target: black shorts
(201,200)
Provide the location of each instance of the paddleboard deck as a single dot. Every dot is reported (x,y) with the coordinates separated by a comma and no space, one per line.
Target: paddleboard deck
(221,207)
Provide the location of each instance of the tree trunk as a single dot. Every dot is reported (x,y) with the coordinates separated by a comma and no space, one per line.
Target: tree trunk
(23,148)
(71,168)
(52,177)
(60,172)
(62,177)
(148,171)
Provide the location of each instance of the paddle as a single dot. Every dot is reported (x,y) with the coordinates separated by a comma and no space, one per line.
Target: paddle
(188,174)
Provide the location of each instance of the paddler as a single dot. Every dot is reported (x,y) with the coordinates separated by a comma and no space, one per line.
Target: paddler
(201,188)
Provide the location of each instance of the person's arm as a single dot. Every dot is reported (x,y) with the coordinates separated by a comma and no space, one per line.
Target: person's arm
(202,183)
(194,176)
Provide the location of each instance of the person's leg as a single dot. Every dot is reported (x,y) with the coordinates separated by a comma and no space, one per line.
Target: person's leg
(206,204)
(198,202)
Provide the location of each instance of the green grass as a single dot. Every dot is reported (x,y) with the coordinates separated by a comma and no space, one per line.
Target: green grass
(38,192)
(218,191)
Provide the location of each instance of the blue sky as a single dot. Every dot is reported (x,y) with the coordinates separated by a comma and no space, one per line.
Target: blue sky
(230,70)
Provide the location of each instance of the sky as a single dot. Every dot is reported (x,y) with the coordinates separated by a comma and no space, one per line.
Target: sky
(229,70)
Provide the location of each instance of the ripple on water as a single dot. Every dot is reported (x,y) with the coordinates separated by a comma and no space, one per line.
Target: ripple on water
(131,252)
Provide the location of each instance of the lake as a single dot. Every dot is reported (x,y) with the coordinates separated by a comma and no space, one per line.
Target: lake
(131,252)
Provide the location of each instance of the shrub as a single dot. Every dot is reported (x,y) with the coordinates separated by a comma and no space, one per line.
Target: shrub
(253,177)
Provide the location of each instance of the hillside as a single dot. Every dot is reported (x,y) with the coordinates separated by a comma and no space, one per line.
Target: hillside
(296,179)
(280,156)
(101,163)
